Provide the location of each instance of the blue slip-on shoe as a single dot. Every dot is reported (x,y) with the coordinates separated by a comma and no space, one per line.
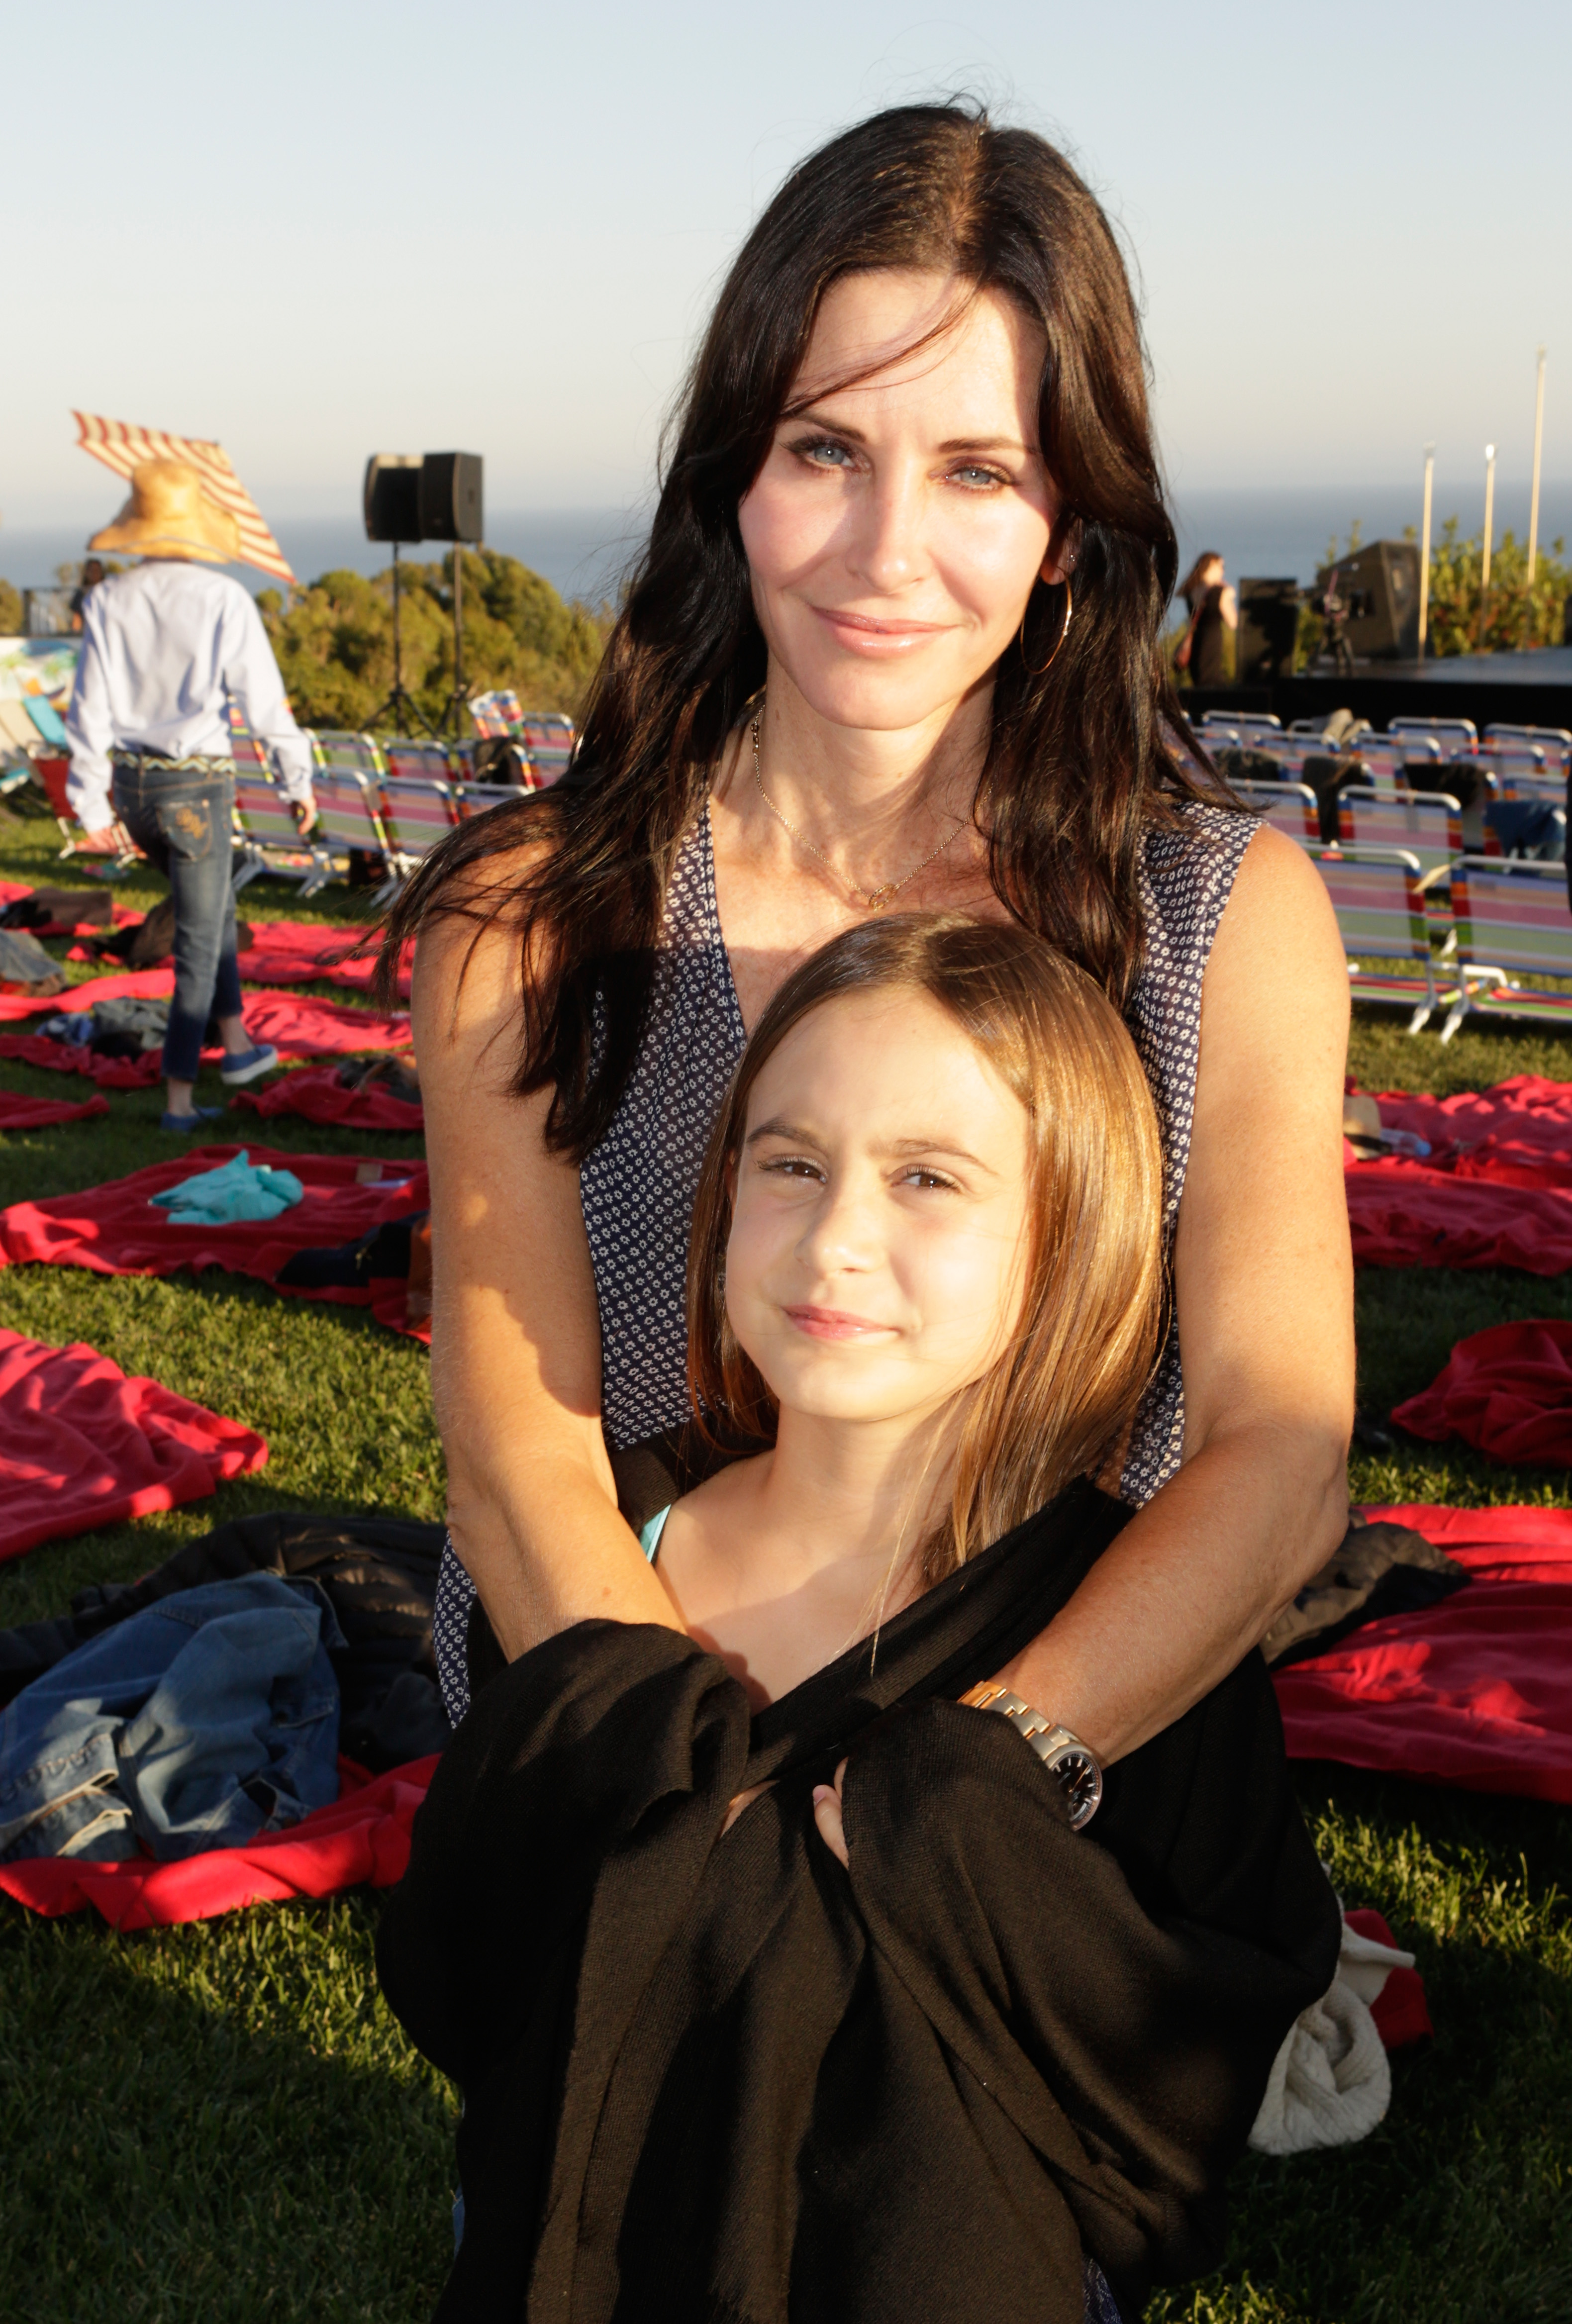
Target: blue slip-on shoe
(247,1065)
(199,1116)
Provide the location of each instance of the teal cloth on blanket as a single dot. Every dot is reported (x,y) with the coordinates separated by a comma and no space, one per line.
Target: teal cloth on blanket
(241,1189)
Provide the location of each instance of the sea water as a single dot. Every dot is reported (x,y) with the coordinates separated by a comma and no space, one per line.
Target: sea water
(1260,533)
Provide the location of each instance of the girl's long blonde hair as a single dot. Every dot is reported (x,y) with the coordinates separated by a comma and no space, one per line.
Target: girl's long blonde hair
(1057,1402)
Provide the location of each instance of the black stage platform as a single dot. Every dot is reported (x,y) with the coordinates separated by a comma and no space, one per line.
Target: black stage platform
(1517,689)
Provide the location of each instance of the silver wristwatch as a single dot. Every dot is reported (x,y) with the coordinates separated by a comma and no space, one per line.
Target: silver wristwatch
(1072,1766)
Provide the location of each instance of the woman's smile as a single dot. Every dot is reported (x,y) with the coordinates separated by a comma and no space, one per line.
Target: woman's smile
(862,633)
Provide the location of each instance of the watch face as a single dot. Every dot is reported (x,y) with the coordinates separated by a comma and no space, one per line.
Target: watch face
(1081,1780)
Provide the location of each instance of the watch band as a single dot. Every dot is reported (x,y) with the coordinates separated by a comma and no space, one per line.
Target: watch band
(1072,1765)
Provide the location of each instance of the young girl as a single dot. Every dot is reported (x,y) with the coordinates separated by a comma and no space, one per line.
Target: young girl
(1005,2047)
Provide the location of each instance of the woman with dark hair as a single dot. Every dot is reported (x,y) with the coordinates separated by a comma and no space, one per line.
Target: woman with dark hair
(1213,608)
(895,635)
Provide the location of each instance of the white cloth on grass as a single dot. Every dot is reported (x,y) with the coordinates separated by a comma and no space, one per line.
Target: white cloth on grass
(1331,2081)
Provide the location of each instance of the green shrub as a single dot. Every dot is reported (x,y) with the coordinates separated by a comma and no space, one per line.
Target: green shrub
(334,639)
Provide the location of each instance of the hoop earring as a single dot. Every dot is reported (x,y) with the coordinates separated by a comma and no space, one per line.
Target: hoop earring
(1064,633)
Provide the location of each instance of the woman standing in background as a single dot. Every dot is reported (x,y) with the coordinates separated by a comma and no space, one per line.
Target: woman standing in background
(1213,608)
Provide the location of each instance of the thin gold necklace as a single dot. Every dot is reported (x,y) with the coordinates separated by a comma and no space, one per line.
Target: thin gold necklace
(871,900)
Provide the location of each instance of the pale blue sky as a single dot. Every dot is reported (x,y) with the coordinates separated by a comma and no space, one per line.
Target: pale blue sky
(319,230)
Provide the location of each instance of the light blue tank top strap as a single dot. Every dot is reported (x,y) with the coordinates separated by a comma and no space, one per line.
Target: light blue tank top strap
(649,1537)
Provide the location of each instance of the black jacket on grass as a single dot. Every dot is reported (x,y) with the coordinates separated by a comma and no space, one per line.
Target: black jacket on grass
(720,2080)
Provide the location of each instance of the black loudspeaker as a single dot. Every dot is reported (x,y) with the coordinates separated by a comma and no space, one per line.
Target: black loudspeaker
(1380,586)
(392,497)
(1268,622)
(450,496)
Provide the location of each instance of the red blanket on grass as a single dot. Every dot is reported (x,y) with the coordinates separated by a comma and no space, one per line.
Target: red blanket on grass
(317,1093)
(117,1230)
(1405,1213)
(1507,1391)
(127,984)
(76,1058)
(17,1112)
(12,892)
(1475,1691)
(82,1447)
(1495,1190)
(1399,2009)
(1528,1115)
(293,951)
(364,1837)
(297,1025)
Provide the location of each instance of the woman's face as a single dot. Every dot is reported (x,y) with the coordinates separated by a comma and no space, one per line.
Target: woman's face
(896,528)
(876,1257)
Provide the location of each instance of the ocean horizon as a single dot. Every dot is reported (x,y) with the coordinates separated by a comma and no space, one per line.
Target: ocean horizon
(585,552)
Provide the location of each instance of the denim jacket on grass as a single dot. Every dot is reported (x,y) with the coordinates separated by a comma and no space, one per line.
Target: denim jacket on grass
(205,1719)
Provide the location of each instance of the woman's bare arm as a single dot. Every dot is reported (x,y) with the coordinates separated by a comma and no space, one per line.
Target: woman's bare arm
(1263,1280)
(515,1334)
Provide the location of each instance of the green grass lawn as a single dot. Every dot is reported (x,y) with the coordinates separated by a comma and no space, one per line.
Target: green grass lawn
(222,2121)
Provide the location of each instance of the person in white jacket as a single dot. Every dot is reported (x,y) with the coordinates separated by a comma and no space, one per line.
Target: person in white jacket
(166,648)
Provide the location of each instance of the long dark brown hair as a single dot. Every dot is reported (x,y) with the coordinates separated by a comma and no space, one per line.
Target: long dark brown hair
(1063,1391)
(1195,583)
(1078,763)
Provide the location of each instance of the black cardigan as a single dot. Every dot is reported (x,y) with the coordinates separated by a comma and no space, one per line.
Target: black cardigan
(722,2082)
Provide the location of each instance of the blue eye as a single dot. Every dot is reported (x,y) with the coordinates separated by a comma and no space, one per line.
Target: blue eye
(823,452)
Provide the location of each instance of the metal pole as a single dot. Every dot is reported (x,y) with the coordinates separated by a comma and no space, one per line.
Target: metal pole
(1534,487)
(458,635)
(1425,549)
(1489,520)
(398,693)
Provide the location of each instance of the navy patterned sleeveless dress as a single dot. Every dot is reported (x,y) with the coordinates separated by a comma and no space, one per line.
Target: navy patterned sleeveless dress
(638,1185)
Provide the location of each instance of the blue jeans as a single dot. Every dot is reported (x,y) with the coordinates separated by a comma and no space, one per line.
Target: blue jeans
(210,1717)
(182,819)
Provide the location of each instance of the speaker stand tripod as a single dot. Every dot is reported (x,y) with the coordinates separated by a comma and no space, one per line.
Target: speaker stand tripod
(400,710)
(457,702)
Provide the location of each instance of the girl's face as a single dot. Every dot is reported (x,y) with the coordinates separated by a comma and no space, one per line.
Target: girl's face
(896,528)
(877,1251)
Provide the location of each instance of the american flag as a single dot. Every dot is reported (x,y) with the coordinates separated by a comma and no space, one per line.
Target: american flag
(124,448)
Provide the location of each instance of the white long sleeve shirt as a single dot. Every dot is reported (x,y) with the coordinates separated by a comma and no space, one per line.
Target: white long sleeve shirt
(165,648)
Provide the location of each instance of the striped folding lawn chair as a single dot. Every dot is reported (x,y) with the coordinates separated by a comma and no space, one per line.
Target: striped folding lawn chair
(1289,751)
(409,761)
(1289,807)
(1381,917)
(473,798)
(1458,737)
(335,746)
(1390,761)
(496,713)
(351,815)
(50,770)
(416,812)
(1554,741)
(266,838)
(1261,720)
(1512,918)
(1427,825)
(549,736)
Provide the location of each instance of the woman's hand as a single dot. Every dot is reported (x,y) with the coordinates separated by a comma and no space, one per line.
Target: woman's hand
(826,1815)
